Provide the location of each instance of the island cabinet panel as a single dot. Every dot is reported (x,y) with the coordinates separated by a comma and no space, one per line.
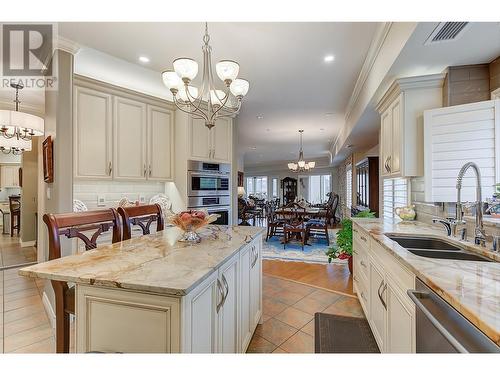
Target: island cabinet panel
(246,331)
(200,322)
(256,285)
(228,311)
(111,320)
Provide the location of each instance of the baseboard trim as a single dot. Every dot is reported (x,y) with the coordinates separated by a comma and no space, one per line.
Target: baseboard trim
(28,243)
(49,310)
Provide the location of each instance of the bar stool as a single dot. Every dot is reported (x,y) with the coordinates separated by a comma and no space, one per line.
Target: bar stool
(141,216)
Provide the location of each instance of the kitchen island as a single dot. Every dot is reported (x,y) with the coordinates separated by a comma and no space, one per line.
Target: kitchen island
(156,294)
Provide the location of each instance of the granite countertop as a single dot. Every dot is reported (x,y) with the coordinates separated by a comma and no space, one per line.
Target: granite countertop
(156,263)
(472,288)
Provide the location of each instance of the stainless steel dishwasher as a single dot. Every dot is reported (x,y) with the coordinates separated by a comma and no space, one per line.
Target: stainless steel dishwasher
(442,329)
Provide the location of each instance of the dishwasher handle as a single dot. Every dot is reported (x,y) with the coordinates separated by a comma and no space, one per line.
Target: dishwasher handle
(416,296)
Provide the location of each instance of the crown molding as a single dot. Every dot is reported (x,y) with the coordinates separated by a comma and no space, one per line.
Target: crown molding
(409,83)
(373,52)
(66,45)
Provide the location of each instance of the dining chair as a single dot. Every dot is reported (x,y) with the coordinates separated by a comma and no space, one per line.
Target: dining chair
(75,225)
(319,226)
(274,223)
(296,227)
(15,214)
(141,216)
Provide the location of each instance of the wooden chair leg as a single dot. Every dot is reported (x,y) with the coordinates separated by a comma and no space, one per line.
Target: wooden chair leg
(62,320)
(327,237)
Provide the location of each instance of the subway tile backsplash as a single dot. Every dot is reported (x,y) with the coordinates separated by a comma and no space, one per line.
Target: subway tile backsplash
(114,191)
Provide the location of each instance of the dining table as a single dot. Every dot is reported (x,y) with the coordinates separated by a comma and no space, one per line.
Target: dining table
(306,212)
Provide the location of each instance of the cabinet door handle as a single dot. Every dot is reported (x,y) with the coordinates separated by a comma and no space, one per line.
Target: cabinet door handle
(224,281)
(144,169)
(382,286)
(149,170)
(256,256)
(355,278)
(389,163)
(386,165)
(363,264)
(364,238)
(221,293)
(110,168)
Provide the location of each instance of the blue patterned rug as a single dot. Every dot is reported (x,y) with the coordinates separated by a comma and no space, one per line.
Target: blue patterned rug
(273,249)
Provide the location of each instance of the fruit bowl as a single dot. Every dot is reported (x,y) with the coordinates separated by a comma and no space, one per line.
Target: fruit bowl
(191,221)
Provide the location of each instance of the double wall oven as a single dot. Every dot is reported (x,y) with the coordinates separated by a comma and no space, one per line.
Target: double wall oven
(209,187)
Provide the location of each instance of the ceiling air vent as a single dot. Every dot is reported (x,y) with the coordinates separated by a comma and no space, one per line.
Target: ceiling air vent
(446,31)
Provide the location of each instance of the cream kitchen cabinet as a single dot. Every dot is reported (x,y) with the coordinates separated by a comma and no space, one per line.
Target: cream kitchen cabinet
(401,114)
(129,135)
(93,133)
(219,315)
(250,291)
(160,143)
(9,176)
(381,283)
(211,144)
(121,135)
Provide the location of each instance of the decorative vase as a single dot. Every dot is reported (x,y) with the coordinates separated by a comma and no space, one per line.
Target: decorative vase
(190,236)
(406,213)
(349,264)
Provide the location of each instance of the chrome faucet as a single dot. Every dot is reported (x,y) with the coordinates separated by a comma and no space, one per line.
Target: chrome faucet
(479,233)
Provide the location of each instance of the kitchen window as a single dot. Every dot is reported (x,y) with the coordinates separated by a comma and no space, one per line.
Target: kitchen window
(395,195)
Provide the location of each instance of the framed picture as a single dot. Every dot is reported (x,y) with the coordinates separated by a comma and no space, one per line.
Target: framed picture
(48,161)
(240,178)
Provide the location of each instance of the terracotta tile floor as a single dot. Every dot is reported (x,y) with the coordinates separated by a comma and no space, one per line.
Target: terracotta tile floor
(288,312)
(288,315)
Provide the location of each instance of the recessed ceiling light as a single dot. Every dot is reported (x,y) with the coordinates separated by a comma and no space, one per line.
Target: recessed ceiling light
(329,58)
(328,114)
(144,59)
(260,117)
(253,148)
(321,129)
(268,130)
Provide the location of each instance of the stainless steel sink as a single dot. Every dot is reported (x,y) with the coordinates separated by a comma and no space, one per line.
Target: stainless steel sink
(435,248)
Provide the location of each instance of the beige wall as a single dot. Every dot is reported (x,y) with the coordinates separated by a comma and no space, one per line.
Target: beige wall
(57,197)
(29,196)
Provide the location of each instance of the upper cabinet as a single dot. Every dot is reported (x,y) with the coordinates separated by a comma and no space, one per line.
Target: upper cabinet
(160,143)
(211,144)
(121,135)
(129,147)
(401,109)
(92,121)
(457,135)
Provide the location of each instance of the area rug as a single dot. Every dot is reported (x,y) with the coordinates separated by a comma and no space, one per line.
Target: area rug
(315,253)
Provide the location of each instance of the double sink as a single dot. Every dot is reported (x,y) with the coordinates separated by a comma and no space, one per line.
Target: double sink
(435,248)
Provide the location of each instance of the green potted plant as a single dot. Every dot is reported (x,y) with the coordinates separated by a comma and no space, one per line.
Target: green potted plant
(342,249)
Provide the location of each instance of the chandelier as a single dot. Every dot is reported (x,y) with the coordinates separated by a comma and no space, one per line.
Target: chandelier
(301,165)
(206,103)
(14,146)
(18,125)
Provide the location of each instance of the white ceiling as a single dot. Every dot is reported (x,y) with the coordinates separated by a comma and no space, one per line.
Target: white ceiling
(290,84)
(479,43)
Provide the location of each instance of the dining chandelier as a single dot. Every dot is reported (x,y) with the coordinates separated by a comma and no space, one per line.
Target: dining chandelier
(20,126)
(206,103)
(301,165)
(14,146)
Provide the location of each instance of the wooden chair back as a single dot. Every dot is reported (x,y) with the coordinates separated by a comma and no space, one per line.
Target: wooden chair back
(141,216)
(14,203)
(73,225)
